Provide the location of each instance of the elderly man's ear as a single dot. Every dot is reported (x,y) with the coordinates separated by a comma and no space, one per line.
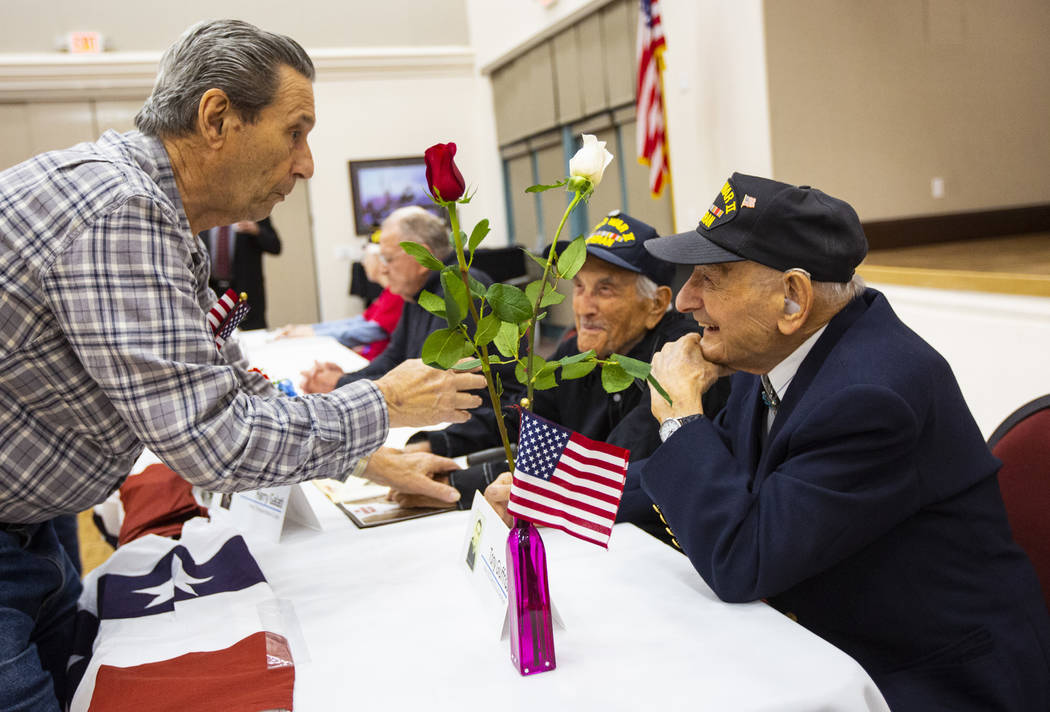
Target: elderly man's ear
(660,303)
(798,302)
(213,116)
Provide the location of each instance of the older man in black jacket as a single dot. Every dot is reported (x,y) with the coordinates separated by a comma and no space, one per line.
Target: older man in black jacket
(620,300)
(407,278)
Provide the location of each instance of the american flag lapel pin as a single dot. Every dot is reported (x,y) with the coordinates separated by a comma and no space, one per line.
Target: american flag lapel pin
(227,314)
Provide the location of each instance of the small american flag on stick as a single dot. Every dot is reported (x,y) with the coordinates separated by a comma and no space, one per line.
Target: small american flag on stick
(227,313)
(567,481)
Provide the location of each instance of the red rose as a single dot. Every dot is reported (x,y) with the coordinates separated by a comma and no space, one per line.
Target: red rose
(445,180)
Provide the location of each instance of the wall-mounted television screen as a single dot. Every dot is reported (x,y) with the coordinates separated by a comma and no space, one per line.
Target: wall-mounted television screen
(379,187)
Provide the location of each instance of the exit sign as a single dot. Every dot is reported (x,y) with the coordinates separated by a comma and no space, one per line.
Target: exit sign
(84,42)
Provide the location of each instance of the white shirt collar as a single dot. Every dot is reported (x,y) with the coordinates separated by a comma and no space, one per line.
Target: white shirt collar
(781,375)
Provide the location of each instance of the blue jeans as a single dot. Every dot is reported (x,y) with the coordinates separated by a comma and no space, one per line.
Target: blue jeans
(39,588)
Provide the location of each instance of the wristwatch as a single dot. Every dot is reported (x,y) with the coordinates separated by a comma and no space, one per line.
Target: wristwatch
(670,425)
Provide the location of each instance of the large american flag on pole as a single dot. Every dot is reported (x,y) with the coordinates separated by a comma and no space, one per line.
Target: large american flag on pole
(649,109)
(567,481)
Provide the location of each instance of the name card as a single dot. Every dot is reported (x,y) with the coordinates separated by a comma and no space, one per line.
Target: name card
(265,513)
(483,556)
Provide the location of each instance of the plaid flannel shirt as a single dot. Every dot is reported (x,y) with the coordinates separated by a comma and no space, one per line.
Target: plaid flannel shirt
(104,346)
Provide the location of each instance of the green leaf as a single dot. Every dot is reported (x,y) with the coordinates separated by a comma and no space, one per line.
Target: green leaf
(578,365)
(487,330)
(532,289)
(551,296)
(432,303)
(477,288)
(538,365)
(572,258)
(576,358)
(445,347)
(614,378)
(455,296)
(545,379)
(467,365)
(542,370)
(541,261)
(475,362)
(507,339)
(659,388)
(540,188)
(638,369)
(509,303)
(577,370)
(422,255)
(477,235)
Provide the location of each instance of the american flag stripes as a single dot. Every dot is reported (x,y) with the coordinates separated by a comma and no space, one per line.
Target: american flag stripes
(649,109)
(227,313)
(567,481)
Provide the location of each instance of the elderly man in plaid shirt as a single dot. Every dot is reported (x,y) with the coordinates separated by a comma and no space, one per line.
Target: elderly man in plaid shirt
(104,346)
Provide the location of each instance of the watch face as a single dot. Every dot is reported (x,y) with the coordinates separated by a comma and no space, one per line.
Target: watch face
(668,427)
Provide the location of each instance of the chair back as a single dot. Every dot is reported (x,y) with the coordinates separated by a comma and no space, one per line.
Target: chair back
(1022,442)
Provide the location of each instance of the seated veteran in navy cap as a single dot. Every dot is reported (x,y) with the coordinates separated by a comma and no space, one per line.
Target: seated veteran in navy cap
(620,300)
(845,481)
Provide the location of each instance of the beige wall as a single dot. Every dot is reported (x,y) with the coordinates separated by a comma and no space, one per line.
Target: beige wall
(384,71)
(32,26)
(394,113)
(873,100)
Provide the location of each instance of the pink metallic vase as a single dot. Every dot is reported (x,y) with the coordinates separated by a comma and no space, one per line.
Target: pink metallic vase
(531,627)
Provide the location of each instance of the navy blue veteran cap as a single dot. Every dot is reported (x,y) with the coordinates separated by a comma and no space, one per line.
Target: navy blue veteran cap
(775,224)
(619,239)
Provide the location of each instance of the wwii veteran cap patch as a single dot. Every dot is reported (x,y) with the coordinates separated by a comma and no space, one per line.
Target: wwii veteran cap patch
(775,224)
(620,240)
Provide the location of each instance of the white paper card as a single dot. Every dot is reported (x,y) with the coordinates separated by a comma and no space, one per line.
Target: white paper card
(264,513)
(484,558)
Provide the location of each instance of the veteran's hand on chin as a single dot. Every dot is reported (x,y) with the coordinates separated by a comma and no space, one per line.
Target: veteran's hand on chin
(682,370)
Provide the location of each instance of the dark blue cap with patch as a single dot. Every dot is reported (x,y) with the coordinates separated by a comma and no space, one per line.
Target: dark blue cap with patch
(775,224)
(620,239)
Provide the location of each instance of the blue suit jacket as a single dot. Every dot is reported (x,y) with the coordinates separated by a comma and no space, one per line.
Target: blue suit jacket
(873,515)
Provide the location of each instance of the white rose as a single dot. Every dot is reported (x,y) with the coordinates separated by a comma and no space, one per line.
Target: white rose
(590,161)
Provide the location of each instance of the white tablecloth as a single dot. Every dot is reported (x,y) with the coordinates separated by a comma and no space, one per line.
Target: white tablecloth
(389,620)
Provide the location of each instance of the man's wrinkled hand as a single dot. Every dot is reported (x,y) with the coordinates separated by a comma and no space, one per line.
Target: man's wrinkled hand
(498,495)
(414,474)
(321,378)
(418,395)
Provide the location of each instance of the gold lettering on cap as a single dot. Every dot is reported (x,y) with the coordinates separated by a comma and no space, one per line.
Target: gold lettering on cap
(728,197)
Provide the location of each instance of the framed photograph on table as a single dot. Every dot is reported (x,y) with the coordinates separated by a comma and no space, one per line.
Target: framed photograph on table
(379,187)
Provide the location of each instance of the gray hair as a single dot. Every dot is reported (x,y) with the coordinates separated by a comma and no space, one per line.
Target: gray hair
(423,227)
(840,293)
(234,56)
(835,294)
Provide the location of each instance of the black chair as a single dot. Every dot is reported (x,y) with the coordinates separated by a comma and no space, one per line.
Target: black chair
(503,264)
(1022,442)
